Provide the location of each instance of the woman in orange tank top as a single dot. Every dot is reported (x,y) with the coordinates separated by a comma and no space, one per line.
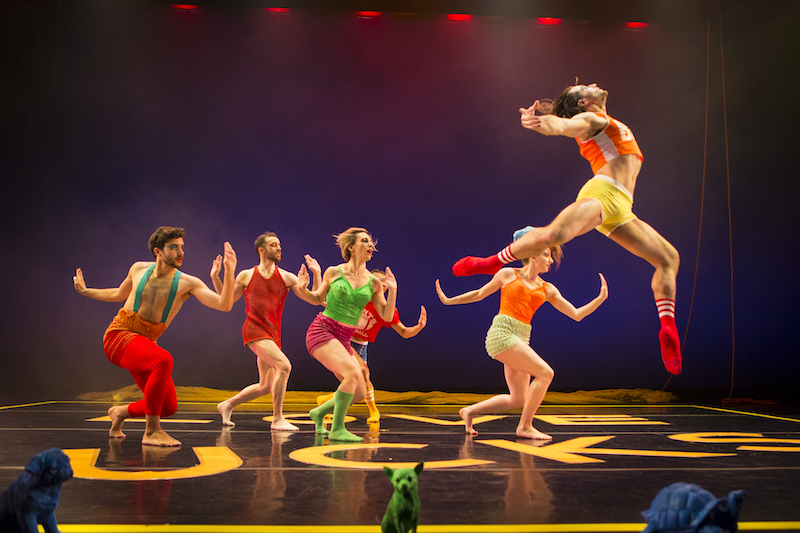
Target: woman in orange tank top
(522,291)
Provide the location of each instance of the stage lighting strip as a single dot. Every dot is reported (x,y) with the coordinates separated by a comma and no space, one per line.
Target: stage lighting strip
(487,528)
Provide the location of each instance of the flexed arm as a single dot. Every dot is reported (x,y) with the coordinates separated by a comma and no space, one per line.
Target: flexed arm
(238,290)
(407,332)
(579,126)
(316,296)
(561,304)
(120,294)
(502,277)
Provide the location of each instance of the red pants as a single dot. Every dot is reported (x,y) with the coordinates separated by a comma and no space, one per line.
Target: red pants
(151,368)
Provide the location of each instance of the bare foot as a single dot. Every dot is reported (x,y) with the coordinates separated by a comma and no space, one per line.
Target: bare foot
(159,438)
(117,414)
(467,418)
(532,433)
(282,425)
(225,409)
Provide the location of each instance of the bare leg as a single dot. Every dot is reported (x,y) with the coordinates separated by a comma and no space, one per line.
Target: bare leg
(643,241)
(154,435)
(273,373)
(576,219)
(522,360)
(340,361)
(517,386)
(117,414)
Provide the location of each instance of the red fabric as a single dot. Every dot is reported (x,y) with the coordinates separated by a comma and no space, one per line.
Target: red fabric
(469,266)
(151,368)
(324,329)
(371,323)
(265,298)
(670,345)
(126,326)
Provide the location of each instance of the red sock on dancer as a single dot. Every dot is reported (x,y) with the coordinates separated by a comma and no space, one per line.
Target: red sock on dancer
(668,336)
(469,266)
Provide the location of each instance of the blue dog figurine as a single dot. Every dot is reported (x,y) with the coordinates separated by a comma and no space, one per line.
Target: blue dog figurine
(32,499)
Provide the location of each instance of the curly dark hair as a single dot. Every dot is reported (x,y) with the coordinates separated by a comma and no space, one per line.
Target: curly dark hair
(161,236)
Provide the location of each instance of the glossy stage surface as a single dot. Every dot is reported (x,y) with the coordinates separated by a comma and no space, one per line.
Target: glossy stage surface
(603,467)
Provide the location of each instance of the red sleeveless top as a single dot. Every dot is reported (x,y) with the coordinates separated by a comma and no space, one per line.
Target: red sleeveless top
(264,298)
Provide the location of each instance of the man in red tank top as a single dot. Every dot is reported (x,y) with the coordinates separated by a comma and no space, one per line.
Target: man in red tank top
(604,203)
(265,287)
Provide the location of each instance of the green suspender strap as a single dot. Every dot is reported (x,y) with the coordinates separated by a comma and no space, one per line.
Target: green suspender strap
(172,291)
(138,300)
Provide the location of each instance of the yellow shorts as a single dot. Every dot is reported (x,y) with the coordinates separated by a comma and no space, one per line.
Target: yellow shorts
(615,200)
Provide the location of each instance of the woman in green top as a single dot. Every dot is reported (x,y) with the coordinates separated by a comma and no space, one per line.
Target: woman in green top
(345,290)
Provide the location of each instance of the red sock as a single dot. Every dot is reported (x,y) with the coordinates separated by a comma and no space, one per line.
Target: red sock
(469,266)
(668,337)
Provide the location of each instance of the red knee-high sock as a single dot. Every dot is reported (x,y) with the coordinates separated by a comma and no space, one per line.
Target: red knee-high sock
(668,336)
(469,266)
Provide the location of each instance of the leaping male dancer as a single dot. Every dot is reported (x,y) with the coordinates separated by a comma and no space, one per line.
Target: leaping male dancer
(153,293)
(605,202)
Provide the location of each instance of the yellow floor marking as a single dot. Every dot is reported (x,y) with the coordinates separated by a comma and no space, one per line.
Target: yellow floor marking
(213,460)
(745,413)
(739,438)
(24,405)
(597,420)
(440,422)
(300,419)
(567,451)
(433,528)
(318,455)
(171,420)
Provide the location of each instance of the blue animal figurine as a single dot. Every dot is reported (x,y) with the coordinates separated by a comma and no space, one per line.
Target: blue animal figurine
(688,508)
(32,499)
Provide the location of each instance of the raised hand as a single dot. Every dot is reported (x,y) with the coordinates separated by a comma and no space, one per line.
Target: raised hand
(302,276)
(313,265)
(444,299)
(77,279)
(216,267)
(528,117)
(603,287)
(230,258)
(423,317)
(390,281)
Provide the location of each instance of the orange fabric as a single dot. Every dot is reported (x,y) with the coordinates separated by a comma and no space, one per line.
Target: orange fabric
(615,140)
(520,302)
(124,328)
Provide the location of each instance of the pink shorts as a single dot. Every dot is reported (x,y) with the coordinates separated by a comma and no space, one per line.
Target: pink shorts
(324,329)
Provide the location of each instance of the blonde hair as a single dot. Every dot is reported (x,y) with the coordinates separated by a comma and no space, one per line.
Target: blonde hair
(348,238)
(556,252)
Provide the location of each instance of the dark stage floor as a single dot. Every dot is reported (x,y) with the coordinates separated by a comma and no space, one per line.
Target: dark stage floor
(604,466)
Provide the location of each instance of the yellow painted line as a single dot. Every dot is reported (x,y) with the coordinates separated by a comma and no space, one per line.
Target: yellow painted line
(24,405)
(747,413)
(318,455)
(440,422)
(305,419)
(142,420)
(447,528)
(570,451)
(597,420)
(213,460)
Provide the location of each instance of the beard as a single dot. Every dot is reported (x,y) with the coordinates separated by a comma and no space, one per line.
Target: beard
(174,263)
(274,257)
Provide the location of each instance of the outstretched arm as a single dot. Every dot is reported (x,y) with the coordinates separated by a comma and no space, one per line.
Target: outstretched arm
(503,276)
(408,332)
(224,300)
(579,126)
(120,294)
(385,305)
(565,307)
(316,296)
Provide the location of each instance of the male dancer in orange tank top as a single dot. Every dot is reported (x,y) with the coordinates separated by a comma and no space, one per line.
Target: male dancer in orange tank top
(150,305)
(604,203)
(265,287)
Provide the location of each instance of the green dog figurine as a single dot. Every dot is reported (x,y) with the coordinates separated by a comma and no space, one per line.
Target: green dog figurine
(402,514)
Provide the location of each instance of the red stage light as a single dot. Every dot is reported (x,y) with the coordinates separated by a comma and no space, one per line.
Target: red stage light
(459,17)
(548,21)
(276,9)
(636,24)
(187,7)
(368,14)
